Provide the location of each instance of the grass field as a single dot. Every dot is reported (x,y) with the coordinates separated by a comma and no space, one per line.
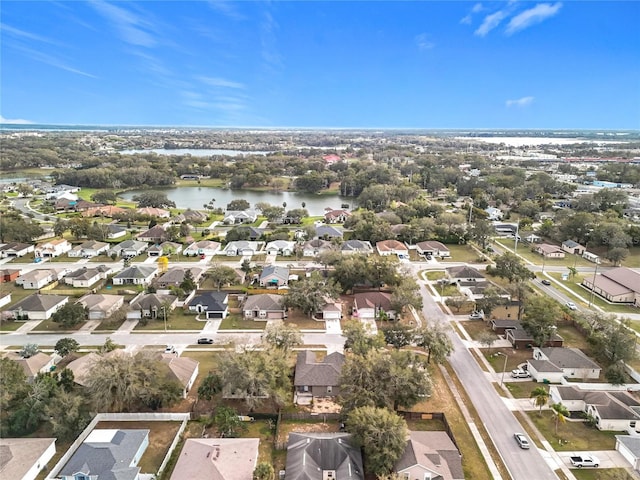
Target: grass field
(462,253)
(575,436)
(176,320)
(234,322)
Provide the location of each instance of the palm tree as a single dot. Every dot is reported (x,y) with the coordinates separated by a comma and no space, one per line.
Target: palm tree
(541,396)
(560,412)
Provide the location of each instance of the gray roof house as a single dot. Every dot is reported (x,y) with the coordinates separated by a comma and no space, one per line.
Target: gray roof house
(311,456)
(175,276)
(156,234)
(212,304)
(356,246)
(90,248)
(107,454)
(235,217)
(136,275)
(570,246)
(241,247)
(101,306)
(184,369)
(265,306)
(128,248)
(571,361)
(315,378)
(629,448)
(150,305)
(431,455)
(274,276)
(85,277)
(217,458)
(38,307)
(328,232)
(280,247)
(313,248)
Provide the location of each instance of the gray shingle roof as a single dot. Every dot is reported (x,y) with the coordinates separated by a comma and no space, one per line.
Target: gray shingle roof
(434,451)
(214,301)
(265,302)
(310,453)
(311,373)
(136,272)
(39,303)
(568,358)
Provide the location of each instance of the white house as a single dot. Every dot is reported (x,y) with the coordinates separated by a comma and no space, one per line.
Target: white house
(280,247)
(26,457)
(136,275)
(494,214)
(86,277)
(235,217)
(629,448)
(101,306)
(52,248)
(36,279)
(203,247)
(38,307)
(572,362)
(241,247)
(392,247)
(88,249)
(433,248)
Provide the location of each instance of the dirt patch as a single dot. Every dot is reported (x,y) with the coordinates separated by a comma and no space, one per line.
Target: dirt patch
(287,427)
(323,405)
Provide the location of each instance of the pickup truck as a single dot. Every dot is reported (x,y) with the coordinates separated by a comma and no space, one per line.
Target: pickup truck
(584,461)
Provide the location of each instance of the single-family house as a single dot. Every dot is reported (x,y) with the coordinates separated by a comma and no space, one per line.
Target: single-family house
(280,247)
(36,279)
(84,205)
(217,458)
(88,249)
(433,248)
(612,410)
(336,216)
(315,247)
(316,379)
(235,217)
(24,458)
(128,248)
(500,326)
(115,231)
(575,248)
(494,214)
(136,275)
(108,211)
(156,234)
(392,247)
(100,307)
(154,212)
(203,247)
(330,310)
(212,304)
(356,246)
(629,448)
(35,364)
(175,276)
(151,305)
(38,307)
(549,251)
(372,306)
(107,453)
(465,274)
(321,456)
(9,274)
(16,249)
(264,306)
(241,248)
(86,277)
(81,367)
(274,276)
(183,369)
(190,216)
(165,248)
(572,361)
(65,203)
(618,285)
(430,455)
(520,338)
(533,238)
(52,248)
(327,232)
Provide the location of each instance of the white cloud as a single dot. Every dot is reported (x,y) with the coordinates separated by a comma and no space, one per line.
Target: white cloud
(423,42)
(520,102)
(14,121)
(52,60)
(466,20)
(226,8)
(22,34)
(490,22)
(534,15)
(477,8)
(220,82)
(131,28)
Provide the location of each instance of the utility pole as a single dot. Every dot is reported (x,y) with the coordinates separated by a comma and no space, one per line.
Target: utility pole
(593,286)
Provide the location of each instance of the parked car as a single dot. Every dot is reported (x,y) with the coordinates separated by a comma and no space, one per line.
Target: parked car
(584,460)
(520,373)
(170,349)
(546,282)
(476,315)
(205,341)
(522,440)
(571,306)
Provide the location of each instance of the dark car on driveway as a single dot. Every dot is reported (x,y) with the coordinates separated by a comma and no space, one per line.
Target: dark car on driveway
(205,341)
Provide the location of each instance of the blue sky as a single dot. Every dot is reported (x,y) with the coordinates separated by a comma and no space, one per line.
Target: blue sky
(515,64)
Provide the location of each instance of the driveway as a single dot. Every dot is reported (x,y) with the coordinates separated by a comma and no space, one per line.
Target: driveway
(608,458)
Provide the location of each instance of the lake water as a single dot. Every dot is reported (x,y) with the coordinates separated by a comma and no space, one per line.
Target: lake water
(196,197)
(194,152)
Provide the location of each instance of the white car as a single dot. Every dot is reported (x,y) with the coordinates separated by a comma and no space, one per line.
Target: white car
(170,349)
(520,373)
(571,306)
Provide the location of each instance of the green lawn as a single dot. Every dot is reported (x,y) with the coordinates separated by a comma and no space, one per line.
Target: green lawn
(437,275)
(233,322)
(176,320)
(10,326)
(575,436)
(462,253)
(524,250)
(602,474)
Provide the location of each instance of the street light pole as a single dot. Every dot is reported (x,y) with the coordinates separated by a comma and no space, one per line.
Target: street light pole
(593,285)
(164,314)
(504,367)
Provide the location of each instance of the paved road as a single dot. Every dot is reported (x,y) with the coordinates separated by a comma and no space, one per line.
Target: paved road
(498,420)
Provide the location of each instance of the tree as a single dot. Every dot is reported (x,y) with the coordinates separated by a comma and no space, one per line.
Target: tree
(351,270)
(246,267)
(29,350)
(406,293)
(104,196)
(540,317)
(482,231)
(60,227)
(456,302)
(70,315)
(66,380)
(153,199)
(616,255)
(613,339)
(238,204)
(398,335)
(108,346)
(30,413)
(383,379)
(511,267)
(211,385)
(125,383)
(615,374)
(282,337)
(222,275)
(227,422)
(273,213)
(435,341)
(13,383)
(68,414)
(382,434)
(561,413)
(310,294)
(540,396)
(65,346)
(359,340)
(188,284)
(491,298)
(264,471)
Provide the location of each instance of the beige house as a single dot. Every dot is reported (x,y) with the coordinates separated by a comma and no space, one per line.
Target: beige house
(101,306)
(35,364)
(184,369)
(217,458)
(36,279)
(619,285)
(430,455)
(549,251)
(24,458)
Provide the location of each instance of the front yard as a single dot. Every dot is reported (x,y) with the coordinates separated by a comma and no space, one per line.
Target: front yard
(572,435)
